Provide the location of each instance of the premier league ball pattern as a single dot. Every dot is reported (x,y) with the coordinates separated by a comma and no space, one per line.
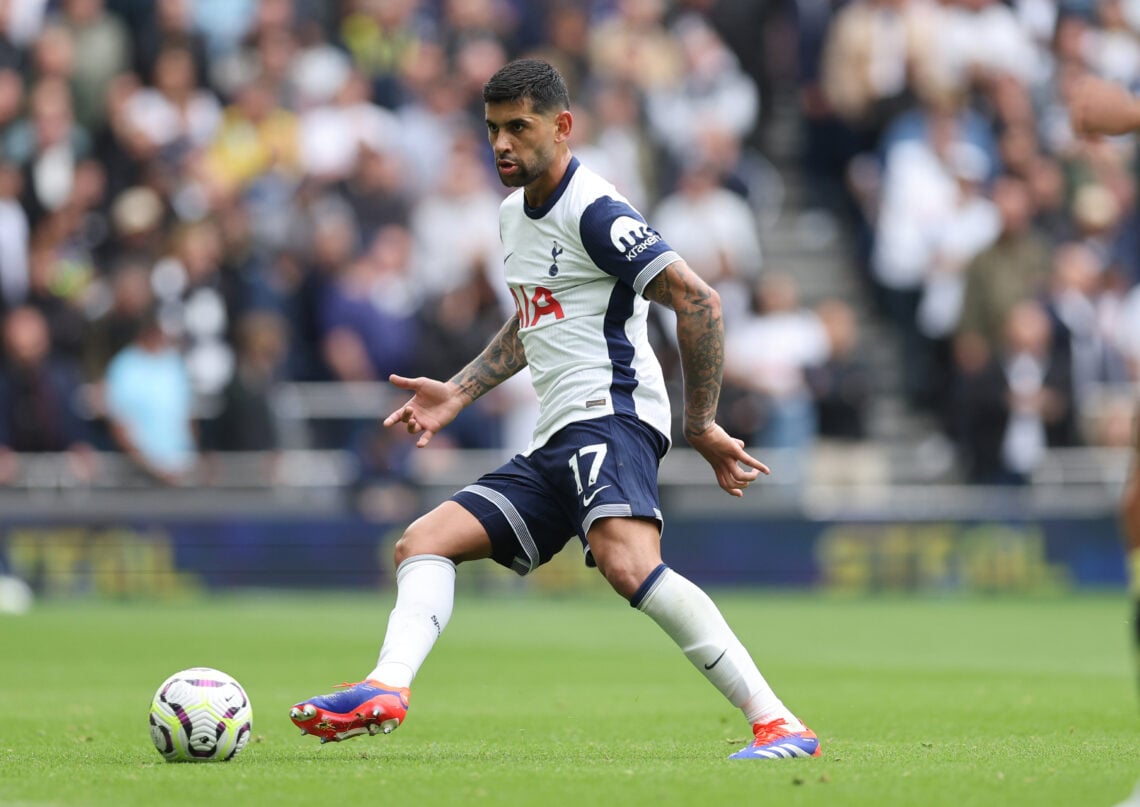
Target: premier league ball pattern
(200,715)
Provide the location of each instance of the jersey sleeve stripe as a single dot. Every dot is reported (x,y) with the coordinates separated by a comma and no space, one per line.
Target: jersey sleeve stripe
(656,266)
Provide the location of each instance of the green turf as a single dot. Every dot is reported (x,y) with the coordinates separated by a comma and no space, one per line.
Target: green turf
(582,701)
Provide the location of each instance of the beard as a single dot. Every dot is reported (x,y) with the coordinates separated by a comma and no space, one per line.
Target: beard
(526,171)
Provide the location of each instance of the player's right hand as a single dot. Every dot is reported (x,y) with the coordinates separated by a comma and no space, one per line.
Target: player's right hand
(433,405)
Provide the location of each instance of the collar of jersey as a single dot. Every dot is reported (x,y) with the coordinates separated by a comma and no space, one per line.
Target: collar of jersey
(544,208)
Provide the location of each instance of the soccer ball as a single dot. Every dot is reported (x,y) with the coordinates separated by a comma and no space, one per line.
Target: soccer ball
(200,715)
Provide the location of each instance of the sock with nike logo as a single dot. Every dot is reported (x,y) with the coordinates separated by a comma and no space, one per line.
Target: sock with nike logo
(425,594)
(693,621)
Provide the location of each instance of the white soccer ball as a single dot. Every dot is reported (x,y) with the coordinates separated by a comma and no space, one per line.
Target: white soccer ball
(200,715)
(15,595)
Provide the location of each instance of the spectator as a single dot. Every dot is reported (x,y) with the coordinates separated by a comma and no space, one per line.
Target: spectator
(246,420)
(455,226)
(38,398)
(170,23)
(192,305)
(102,51)
(53,55)
(224,22)
(14,232)
(841,385)
(59,279)
(137,221)
(767,356)
(1015,268)
(47,144)
(332,135)
(367,313)
(716,231)
(615,144)
(632,46)
(929,221)
(149,406)
(567,44)
(979,40)
(433,119)
(463,315)
(109,331)
(1080,323)
(712,90)
(11,96)
(1112,49)
(1047,188)
(1017,404)
(174,115)
(383,36)
(376,190)
(256,137)
(245,280)
(1126,331)
(971,226)
(874,49)
(11,54)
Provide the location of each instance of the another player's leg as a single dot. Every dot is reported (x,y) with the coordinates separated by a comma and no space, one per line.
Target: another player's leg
(628,554)
(425,557)
(1130,524)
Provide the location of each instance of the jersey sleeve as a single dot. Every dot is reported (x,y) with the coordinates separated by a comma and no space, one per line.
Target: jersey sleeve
(619,241)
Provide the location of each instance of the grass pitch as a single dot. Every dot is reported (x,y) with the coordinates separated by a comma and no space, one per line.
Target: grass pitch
(582,701)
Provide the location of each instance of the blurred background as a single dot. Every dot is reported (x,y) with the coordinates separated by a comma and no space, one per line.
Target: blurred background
(223,223)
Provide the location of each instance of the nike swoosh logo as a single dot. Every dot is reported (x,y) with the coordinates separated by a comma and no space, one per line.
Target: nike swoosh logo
(507,257)
(586,501)
(718,658)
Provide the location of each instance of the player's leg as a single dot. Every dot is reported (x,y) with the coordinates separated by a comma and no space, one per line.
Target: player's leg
(1130,525)
(628,554)
(426,556)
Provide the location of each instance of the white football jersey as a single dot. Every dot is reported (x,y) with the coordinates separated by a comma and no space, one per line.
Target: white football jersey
(577,268)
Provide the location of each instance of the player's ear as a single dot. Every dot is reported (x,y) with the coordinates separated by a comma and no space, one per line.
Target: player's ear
(563,124)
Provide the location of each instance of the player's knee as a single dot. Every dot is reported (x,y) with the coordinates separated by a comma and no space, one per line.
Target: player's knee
(413,542)
(624,576)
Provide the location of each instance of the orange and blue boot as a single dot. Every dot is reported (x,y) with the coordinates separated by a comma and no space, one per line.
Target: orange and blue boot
(775,740)
(368,707)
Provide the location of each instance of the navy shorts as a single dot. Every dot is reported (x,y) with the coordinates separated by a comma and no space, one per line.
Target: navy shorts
(532,506)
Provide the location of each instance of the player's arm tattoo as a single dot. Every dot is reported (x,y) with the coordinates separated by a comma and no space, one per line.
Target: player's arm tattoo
(501,359)
(700,337)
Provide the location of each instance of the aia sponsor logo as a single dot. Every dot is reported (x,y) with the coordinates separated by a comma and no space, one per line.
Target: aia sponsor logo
(632,237)
(534,305)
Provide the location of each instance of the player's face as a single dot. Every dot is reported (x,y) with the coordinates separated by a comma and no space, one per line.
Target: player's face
(523,140)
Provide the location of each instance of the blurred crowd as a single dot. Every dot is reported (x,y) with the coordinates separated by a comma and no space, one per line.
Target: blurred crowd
(1002,248)
(204,200)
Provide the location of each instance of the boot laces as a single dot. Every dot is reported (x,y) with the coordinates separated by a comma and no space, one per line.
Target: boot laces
(770,731)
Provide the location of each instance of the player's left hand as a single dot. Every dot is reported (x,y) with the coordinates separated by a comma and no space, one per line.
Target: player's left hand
(726,455)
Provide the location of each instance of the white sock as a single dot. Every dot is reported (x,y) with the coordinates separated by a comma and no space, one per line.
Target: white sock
(425,593)
(693,621)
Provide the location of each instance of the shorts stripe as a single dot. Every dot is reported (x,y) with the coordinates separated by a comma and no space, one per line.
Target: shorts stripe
(526,541)
(605,511)
(612,511)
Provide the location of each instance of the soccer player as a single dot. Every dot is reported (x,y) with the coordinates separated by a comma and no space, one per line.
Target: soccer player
(582,266)
(1100,107)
